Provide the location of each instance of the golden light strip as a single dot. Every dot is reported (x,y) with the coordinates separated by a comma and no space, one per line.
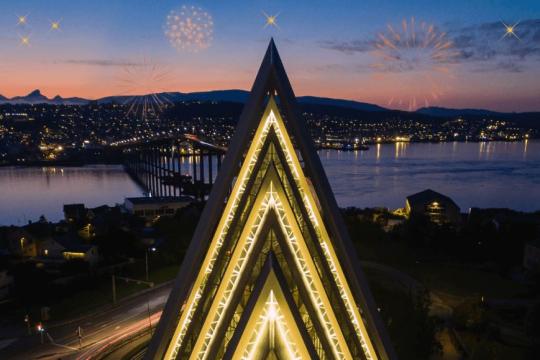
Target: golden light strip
(251,349)
(314,285)
(233,275)
(322,234)
(271,120)
(271,316)
(265,202)
(217,241)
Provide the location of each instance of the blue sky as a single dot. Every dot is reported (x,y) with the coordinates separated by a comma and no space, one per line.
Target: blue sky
(327,46)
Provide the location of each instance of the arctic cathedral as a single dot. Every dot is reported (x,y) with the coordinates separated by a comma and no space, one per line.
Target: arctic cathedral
(271,272)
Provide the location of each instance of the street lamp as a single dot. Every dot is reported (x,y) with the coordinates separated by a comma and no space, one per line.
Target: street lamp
(79,336)
(27,321)
(40,330)
(152,249)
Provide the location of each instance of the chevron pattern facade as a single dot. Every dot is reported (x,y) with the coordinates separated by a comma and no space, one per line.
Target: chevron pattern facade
(270,273)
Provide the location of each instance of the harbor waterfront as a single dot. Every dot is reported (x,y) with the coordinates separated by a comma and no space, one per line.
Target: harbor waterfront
(484,174)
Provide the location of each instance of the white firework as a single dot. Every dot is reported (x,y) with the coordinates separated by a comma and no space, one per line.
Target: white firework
(189,28)
(145,86)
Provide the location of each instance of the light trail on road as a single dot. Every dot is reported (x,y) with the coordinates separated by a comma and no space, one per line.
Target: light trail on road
(102,346)
(102,331)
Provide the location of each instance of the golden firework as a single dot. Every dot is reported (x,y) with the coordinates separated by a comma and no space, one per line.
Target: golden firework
(22,19)
(418,56)
(55,25)
(25,40)
(189,28)
(271,20)
(510,30)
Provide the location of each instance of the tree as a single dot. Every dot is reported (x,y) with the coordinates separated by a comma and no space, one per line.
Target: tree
(412,329)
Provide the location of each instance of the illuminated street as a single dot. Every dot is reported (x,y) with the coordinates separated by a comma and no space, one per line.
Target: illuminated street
(101,331)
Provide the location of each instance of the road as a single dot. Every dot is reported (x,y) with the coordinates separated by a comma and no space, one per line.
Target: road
(100,330)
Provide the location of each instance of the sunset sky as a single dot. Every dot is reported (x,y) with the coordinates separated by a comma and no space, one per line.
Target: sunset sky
(329,48)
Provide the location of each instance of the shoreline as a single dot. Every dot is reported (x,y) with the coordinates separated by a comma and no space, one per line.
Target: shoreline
(78,163)
(485,175)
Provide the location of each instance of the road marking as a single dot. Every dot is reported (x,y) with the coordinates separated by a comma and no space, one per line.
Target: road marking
(64,346)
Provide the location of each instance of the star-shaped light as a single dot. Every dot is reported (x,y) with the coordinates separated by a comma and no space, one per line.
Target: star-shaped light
(510,30)
(25,40)
(55,25)
(22,20)
(271,20)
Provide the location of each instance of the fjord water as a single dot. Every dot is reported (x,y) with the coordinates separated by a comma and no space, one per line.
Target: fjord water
(489,174)
(486,175)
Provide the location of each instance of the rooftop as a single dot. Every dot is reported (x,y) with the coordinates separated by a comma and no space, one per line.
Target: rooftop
(73,207)
(159,200)
(428,196)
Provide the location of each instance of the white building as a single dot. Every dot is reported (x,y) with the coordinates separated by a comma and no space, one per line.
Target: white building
(152,207)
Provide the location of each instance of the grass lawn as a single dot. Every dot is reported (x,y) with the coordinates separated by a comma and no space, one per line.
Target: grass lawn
(463,281)
(451,279)
(87,300)
(485,348)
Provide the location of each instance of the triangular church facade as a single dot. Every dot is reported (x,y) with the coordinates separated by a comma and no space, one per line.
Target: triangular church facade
(271,272)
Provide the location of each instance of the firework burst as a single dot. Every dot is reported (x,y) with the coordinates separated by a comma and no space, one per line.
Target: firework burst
(189,28)
(419,58)
(143,86)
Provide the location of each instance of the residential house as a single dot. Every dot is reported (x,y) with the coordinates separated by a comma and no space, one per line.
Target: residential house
(74,213)
(438,207)
(21,243)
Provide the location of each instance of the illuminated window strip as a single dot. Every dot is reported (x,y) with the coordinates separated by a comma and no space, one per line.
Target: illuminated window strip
(220,234)
(271,316)
(317,293)
(322,234)
(230,210)
(233,275)
(303,260)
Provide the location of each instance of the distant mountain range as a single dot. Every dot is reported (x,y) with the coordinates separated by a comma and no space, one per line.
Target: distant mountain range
(241,96)
(444,112)
(36,97)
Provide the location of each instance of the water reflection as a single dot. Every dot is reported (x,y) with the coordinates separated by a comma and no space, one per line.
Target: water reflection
(27,193)
(400,149)
(474,174)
